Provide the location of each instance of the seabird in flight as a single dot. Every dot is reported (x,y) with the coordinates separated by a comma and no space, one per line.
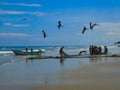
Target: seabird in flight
(92,25)
(24,19)
(59,24)
(84,29)
(44,34)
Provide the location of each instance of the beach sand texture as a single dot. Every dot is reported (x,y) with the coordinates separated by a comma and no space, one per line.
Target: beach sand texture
(102,76)
(94,76)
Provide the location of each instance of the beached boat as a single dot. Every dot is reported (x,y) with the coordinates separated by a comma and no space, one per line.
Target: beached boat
(74,56)
(23,52)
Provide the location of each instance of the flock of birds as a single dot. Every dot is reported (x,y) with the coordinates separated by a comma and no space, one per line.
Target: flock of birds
(59,26)
(91,26)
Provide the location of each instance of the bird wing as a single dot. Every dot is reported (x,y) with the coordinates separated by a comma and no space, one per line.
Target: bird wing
(44,34)
(95,24)
(84,29)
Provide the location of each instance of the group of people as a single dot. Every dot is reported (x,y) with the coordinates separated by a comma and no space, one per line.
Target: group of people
(95,50)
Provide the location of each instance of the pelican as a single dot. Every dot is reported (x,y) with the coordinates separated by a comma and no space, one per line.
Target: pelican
(84,29)
(92,25)
(24,19)
(44,34)
(59,24)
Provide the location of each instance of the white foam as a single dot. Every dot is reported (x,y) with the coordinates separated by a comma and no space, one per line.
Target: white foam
(6,52)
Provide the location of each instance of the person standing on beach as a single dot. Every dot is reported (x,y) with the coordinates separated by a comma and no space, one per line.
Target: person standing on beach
(91,49)
(31,49)
(61,52)
(26,49)
(105,50)
(100,50)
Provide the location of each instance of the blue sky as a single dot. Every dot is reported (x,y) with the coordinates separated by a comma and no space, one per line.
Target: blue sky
(44,14)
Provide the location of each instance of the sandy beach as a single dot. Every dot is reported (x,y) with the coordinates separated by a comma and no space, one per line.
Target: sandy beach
(72,74)
(101,76)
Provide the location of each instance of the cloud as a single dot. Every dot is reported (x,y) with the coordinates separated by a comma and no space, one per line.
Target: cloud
(111,33)
(22,4)
(37,13)
(110,29)
(13,35)
(16,25)
(13,12)
(110,26)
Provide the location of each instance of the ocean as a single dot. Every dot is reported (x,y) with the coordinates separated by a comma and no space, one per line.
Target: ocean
(7,56)
(18,70)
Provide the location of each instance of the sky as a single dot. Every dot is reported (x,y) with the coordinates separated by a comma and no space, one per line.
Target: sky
(22,22)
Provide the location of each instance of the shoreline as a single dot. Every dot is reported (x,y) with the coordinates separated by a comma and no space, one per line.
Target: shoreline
(74,56)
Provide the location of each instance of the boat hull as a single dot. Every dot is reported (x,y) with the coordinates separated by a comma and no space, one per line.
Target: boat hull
(75,56)
(18,52)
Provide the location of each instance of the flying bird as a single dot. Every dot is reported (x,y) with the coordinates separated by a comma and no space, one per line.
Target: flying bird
(59,24)
(84,29)
(92,25)
(24,19)
(44,34)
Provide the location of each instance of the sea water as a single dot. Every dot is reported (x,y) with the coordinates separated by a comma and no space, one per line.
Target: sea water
(19,70)
(7,56)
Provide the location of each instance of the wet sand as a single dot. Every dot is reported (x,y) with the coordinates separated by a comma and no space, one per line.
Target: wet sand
(96,74)
(99,76)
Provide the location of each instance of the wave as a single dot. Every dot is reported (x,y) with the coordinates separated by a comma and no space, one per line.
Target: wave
(5,52)
(51,49)
(11,52)
(6,63)
(5,60)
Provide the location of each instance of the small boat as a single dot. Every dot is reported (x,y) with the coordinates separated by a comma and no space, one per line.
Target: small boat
(23,52)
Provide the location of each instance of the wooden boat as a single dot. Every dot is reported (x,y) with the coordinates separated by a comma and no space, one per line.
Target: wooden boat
(20,52)
(74,56)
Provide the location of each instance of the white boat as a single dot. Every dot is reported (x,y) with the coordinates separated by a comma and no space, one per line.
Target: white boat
(28,52)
